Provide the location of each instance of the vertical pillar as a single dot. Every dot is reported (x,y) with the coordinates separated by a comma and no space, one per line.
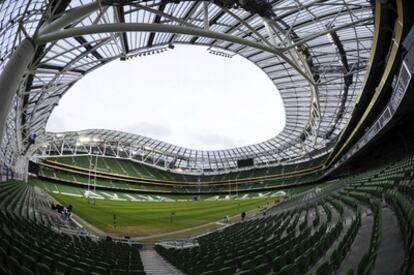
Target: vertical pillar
(22,168)
(11,76)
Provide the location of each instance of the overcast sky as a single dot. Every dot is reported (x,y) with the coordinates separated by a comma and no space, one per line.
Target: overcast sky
(184,96)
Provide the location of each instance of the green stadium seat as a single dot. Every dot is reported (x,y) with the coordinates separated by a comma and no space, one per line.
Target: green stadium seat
(3,257)
(279,262)
(230,263)
(210,272)
(248,264)
(324,269)
(135,272)
(289,270)
(261,259)
(226,270)
(120,272)
(62,267)
(303,263)
(246,272)
(43,268)
(77,270)
(263,269)
(29,262)
(98,269)
(13,265)
(26,271)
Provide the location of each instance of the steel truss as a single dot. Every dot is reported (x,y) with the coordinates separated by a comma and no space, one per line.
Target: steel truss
(315,53)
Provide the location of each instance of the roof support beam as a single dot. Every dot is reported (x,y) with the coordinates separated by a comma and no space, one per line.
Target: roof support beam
(143,27)
(69,17)
(157,20)
(121,18)
(88,47)
(12,75)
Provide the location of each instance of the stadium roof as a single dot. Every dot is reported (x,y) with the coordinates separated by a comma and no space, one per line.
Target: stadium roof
(315,52)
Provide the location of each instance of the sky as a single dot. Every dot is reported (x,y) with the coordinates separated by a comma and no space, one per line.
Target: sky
(184,96)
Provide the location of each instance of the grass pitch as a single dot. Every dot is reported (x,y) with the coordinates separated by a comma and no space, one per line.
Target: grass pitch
(139,219)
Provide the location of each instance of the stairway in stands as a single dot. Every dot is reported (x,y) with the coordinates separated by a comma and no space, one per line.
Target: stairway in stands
(155,264)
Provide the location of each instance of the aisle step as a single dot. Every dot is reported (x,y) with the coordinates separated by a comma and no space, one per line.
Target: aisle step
(155,264)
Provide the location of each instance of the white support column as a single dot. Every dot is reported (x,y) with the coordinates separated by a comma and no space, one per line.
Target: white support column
(11,76)
(270,33)
(21,168)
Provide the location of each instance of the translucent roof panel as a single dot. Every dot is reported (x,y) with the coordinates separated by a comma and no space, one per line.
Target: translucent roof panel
(315,52)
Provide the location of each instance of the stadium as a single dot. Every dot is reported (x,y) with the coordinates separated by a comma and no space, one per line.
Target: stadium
(332,193)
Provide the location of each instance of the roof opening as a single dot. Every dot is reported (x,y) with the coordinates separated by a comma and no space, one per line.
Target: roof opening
(184,96)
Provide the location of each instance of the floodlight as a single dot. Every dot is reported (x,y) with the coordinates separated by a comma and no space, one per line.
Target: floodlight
(148,148)
(83,139)
(96,139)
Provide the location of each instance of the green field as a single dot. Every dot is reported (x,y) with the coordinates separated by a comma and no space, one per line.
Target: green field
(138,219)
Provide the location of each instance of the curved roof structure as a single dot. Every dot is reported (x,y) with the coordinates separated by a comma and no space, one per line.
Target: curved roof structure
(315,52)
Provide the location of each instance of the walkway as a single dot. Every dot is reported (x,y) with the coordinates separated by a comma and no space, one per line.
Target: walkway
(361,244)
(391,251)
(155,264)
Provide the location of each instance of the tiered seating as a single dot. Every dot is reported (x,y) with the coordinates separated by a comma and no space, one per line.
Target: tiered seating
(30,248)
(283,243)
(344,245)
(28,245)
(104,182)
(20,198)
(279,243)
(314,232)
(126,167)
(126,174)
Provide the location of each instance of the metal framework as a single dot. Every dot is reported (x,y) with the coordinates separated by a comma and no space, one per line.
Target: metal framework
(315,52)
